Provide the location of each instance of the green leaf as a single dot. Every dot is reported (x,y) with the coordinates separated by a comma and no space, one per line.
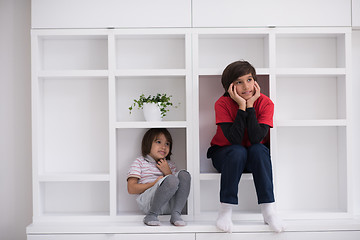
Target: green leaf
(163,100)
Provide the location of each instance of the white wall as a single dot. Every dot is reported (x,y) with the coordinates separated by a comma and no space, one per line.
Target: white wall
(356,117)
(15,120)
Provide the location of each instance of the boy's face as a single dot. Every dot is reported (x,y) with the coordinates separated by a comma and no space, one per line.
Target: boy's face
(160,147)
(244,86)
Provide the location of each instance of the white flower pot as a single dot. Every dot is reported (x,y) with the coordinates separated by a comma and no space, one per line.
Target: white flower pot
(152,112)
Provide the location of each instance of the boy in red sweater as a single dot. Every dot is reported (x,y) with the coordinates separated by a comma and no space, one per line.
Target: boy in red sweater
(243,118)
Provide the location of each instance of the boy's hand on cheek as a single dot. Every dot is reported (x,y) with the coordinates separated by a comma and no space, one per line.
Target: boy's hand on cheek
(250,102)
(163,165)
(236,97)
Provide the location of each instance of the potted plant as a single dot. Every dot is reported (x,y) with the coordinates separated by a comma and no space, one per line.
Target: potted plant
(154,107)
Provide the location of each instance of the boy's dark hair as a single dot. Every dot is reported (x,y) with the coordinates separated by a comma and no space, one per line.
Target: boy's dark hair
(235,70)
(149,138)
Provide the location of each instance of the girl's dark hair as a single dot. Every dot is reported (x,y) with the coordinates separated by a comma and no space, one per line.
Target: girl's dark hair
(149,138)
(235,70)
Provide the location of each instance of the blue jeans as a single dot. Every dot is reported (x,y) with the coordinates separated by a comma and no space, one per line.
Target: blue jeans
(231,161)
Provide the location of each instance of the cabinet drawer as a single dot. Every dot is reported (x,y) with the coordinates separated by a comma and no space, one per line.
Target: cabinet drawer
(175,236)
(158,236)
(348,235)
(70,237)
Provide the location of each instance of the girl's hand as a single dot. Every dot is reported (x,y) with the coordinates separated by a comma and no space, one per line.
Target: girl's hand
(137,188)
(160,177)
(236,97)
(250,101)
(163,165)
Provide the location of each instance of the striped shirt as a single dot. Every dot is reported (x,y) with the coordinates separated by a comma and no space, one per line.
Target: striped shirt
(145,169)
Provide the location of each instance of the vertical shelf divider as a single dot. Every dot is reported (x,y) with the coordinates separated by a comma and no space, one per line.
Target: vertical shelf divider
(348,117)
(195,120)
(35,123)
(272,95)
(112,124)
(189,115)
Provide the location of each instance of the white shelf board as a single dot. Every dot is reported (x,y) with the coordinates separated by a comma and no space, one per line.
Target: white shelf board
(217,71)
(216,176)
(71,33)
(213,32)
(311,71)
(73,73)
(151,32)
(313,31)
(161,124)
(50,218)
(311,123)
(150,72)
(295,215)
(61,177)
(207,226)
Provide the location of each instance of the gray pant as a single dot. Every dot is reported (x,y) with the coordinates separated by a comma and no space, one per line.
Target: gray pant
(146,199)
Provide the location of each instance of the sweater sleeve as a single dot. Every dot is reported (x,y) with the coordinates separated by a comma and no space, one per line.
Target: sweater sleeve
(234,132)
(256,131)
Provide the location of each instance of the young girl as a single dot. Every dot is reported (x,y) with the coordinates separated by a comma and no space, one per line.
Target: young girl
(243,118)
(162,189)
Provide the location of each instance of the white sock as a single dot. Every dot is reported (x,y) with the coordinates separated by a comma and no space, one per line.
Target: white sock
(271,218)
(224,221)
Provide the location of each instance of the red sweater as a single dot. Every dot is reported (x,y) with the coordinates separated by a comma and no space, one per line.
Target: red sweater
(226,110)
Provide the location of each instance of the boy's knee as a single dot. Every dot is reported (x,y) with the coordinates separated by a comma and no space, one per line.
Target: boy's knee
(236,158)
(258,149)
(236,155)
(259,154)
(237,151)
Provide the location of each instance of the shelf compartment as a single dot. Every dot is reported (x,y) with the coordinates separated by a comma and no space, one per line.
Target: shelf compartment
(314,214)
(128,148)
(73,73)
(219,71)
(311,123)
(74,198)
(73,118)
(73,52)
(217,51)
(310,50)
(74,177)
(210,197)
(296,72)
(150,72)
(210,89)
(217,176)
(150,85)
(150,51)
(167,124)
(311,172)
(310,98)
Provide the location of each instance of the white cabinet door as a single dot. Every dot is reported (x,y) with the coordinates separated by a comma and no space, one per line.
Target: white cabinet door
(110,13)
(356,13)
(160,236)
(235,13)
(350,235)
(70,237)
(180,236)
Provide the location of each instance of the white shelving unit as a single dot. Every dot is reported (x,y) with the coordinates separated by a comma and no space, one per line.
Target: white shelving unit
(148,62)
(84,139)
(306,73)
(318,126)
